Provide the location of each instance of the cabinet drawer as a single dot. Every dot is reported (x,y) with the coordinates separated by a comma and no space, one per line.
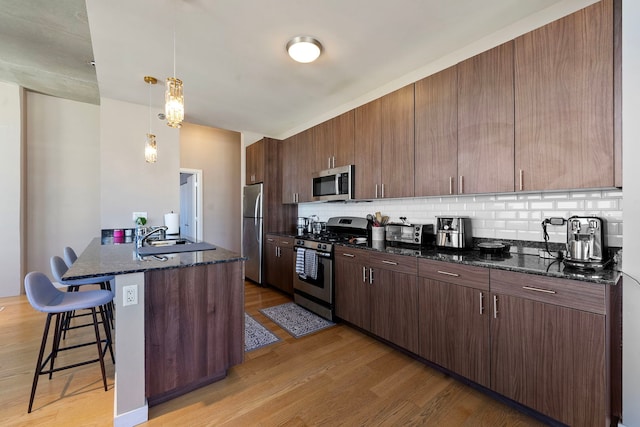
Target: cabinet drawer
(464,275)
(567,293)
(398,263)
(274,239)
(350,254)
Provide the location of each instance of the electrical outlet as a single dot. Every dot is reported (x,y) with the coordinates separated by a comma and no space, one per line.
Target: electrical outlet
(137,215)
(129,295)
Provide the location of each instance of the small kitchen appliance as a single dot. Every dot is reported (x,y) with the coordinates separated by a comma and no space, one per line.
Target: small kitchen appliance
(586,243)
(301,228)
(410,234)
(453,232)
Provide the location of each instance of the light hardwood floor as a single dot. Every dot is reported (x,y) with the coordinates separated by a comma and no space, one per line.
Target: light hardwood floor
(337,376)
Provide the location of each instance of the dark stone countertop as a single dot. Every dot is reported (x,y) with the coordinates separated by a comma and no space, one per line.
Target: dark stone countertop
(100,259)
(519,260)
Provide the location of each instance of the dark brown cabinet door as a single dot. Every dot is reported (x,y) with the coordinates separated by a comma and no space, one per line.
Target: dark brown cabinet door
(398,148)
(255,162)
(296,177)
(486,122)
(394,308)
(278,259)
(454,328)
(551,359)
(352,289)
(564,102)
(436,164)
(368,140)
(333,142)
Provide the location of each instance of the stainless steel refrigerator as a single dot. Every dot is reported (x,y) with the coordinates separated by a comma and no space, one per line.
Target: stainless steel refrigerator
(252,232)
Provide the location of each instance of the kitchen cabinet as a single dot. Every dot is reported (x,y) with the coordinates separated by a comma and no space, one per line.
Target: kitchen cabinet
(333,142)
(454,318)
(278,257)
(486,122)
(296,164)
(436,128)
(277,217)
(384,146)
(564,102)
(255,162)
(550,345)
(194,323)
(378,292)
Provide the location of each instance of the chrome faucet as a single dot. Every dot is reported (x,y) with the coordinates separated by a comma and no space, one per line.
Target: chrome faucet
(140,240)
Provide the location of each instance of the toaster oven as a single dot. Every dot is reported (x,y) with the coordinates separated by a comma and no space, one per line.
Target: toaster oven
(412,234)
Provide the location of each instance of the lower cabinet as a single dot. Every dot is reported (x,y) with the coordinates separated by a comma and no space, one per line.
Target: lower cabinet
(278,257)
(378,292)
(454,318)
(550,346)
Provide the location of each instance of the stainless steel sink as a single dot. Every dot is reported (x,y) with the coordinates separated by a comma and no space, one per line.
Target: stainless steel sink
(166,242)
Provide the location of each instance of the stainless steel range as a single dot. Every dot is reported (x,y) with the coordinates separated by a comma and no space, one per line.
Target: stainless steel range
(313,276)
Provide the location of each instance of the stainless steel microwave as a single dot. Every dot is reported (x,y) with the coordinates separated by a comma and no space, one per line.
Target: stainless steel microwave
(333,184)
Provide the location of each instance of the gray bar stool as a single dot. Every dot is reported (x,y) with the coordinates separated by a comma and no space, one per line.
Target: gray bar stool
(58,269)
(44,297)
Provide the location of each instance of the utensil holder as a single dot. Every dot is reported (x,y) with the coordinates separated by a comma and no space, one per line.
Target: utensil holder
(377,233)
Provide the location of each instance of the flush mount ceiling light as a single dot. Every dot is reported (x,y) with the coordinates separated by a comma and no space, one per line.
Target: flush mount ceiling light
(150,146)
(304,49)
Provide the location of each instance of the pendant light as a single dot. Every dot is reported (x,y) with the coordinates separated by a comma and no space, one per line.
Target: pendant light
(150,146)
(173,97)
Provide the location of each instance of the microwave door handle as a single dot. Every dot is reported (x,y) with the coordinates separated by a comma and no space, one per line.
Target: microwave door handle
(337,184)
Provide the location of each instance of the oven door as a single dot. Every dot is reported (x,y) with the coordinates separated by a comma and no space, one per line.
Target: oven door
(320,288)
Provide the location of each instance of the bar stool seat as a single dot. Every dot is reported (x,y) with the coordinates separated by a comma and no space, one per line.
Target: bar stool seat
(58,269)
(43,296)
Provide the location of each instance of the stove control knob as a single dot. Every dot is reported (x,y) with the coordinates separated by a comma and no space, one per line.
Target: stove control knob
(322,246)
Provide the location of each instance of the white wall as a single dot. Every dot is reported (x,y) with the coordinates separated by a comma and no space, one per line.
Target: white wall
(127,182)
(63,177)
(500,216)
(12,166)
(217,153)
(631,180)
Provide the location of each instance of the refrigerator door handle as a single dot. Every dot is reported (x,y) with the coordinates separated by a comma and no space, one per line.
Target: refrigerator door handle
(257,208)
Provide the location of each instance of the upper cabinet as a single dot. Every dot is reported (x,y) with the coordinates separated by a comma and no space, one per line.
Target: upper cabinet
(333,142)
(384,146)
(485,122)
(564,102)
(296,170)
(437,134)
(255,163)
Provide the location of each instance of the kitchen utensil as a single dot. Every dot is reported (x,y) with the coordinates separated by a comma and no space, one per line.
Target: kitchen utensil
(493,248)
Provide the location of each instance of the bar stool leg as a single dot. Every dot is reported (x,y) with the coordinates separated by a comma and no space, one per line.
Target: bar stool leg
(98,343)
(39,363)
(57,333)
(107,331)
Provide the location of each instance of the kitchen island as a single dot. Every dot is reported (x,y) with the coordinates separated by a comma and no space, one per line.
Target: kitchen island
(183,329)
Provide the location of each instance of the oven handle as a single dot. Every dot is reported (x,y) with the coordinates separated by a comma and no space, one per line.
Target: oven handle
(320,254)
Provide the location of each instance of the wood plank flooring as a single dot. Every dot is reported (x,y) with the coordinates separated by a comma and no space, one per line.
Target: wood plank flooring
(337,376)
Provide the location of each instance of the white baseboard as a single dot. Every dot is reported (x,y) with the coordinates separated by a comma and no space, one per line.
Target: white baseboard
(132,418)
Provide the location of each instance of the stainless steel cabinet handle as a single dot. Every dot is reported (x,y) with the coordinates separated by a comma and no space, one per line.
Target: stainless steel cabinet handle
(460,185)
(270,240)
(546,291)
(284,243)
(481,303)
(384,261)
(349,255)
(328,162)
(446,273)
(521,180)
(376,191)
(383,191)
(495,306)
(450,185)
(364,274)
(370,275)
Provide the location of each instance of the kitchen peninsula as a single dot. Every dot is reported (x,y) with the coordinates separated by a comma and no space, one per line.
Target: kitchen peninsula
(185,328)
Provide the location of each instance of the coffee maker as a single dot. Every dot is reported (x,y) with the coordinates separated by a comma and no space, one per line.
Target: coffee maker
(586,249)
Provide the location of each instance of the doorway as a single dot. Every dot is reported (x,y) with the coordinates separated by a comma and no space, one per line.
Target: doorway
(191,203)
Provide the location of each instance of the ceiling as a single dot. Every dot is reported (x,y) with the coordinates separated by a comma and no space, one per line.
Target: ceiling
(231,53)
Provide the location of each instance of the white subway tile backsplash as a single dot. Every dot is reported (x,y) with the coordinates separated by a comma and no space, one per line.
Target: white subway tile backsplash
(503,216)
